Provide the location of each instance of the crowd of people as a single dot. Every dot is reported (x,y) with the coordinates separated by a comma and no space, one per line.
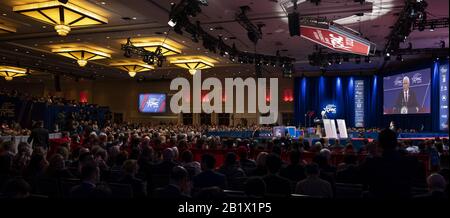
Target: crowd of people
(158,161)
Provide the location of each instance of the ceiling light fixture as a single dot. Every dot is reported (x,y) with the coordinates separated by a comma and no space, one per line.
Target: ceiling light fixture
(11,72)
(62,15)
(193,64)
(82,55)
(133,68)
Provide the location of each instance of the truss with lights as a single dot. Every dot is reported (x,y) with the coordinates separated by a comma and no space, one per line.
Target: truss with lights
(82,55)
(62,16)
(133,68)
(158,47)
(12,72)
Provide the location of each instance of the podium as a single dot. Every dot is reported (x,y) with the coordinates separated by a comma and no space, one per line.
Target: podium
(331,131)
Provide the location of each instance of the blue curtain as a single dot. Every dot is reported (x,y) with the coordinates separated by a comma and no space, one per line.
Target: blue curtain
(314,93)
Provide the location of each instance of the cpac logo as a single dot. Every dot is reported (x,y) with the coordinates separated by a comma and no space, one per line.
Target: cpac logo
(398,81)
(330,108)
(417,78)
(152,103)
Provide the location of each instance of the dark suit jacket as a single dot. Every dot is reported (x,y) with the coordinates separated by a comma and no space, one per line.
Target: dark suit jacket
(209,178)
(277,185)
(314,186)
(40,137)
(411,104)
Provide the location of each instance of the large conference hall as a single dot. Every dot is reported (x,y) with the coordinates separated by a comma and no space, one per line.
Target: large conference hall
(224,100)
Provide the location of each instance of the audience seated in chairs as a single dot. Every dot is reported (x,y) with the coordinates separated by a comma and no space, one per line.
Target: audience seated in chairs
(313,185)
(276,186)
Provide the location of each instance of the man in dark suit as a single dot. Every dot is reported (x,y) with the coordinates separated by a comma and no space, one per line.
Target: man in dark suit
(90,175)
(39,136)
(276,185)
(179,187)
(392,174)
(406,102)
(209,177)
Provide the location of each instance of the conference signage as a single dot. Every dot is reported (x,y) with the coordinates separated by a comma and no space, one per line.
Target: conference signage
(359,103)
(443,96)
(336,39)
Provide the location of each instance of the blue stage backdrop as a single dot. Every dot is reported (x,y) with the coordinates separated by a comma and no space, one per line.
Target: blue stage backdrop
(314,93)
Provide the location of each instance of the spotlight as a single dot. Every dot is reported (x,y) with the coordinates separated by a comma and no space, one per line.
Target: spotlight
(388,54)
(172,23)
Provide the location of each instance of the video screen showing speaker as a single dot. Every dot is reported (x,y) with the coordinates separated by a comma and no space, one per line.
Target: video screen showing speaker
(407,93)
(152,103)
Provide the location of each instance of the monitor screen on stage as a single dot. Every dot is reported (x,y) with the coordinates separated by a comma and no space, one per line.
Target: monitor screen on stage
(152,103)
(407,93)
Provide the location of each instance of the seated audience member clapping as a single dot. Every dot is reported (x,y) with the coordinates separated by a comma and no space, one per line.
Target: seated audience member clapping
(209,177)
(436,185)
(179,187)
(276,185)
(313,185)
(130,168)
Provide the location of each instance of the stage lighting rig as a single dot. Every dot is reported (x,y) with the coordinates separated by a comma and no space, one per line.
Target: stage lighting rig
(147,56)
(254,32)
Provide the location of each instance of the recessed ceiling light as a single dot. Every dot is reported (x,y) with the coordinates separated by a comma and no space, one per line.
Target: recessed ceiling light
(211,29)
(103,3)
(134,18)
(44,27)
(107,37)
(4,14)
(50,41)
(35,44)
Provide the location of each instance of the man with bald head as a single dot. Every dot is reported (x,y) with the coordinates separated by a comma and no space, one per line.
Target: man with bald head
(406,101)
